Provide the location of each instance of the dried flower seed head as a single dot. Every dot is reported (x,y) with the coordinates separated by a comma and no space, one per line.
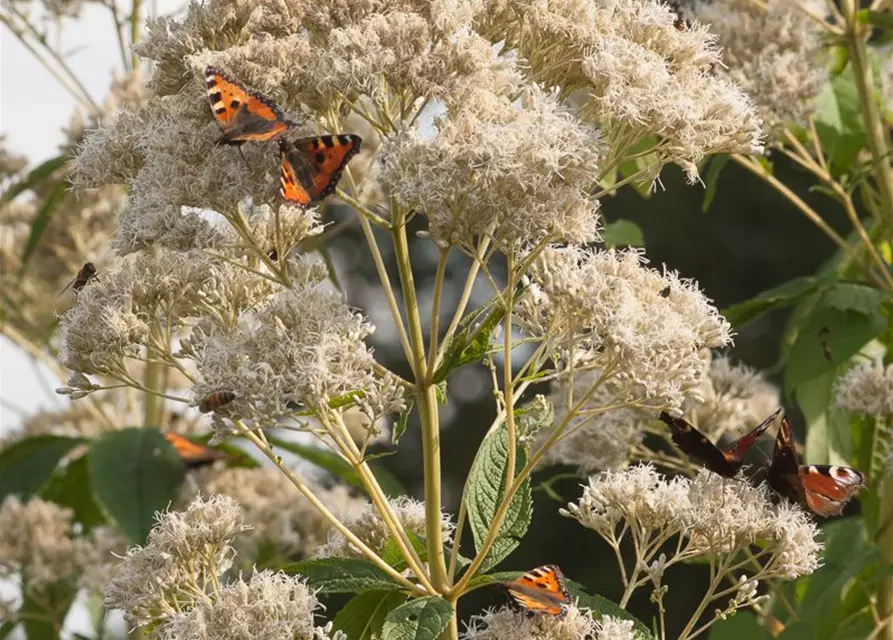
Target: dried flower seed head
(185,550)
(36,541)
(867,388)
(638,73)
(599,308)
(517,170)
(773,52)
(103,555)
(716,517)
(599,441)
(367,525)
(735,398)
(576,624)
(273,510)
(268,605)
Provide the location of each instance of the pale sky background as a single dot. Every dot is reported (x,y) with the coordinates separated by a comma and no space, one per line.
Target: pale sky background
(33,109)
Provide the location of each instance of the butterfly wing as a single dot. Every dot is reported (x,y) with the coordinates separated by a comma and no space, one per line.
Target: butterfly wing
(784,469)
(192,453)
(696,444)
(827,488)
(541,590)
(242,114)
(311,167)
(740,447)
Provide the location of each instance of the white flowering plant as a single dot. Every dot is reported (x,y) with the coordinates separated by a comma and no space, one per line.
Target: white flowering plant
(220,470)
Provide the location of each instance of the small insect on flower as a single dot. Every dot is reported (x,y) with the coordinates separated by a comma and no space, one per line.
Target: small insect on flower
(311,167)
(726,462)
(541,590)
(215,400)
(243,114)
(821,489)
(192,454)
(824,333)
(84,275)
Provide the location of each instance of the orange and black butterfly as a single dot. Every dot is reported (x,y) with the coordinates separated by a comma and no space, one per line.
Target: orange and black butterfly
(84,275)
(311,167)
(193,454)
(243,114)
(726,462)
(822,489)
(215,400)
(541,590)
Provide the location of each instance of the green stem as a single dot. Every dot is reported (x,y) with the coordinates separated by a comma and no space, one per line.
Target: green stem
(426,399)
(508,390)
(134,33)
(885,591)
(151,401)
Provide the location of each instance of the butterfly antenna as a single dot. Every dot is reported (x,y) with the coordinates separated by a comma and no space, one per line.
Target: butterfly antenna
(242,153)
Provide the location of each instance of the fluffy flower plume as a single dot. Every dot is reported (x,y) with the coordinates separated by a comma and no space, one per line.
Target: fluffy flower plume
(634,71)
(735,398)
(773,52)
(598,307)
(518,171)
(274,510)
(596,441)
(368,526)
(867,388)
(713,515)
(577,624)
(36,541)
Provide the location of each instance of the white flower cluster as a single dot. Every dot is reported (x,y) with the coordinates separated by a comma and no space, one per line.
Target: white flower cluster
(576,624)
(867,388)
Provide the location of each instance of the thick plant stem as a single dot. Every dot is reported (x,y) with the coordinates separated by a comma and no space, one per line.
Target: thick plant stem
(426,399)
(874,127)
(885,592)
(152,402)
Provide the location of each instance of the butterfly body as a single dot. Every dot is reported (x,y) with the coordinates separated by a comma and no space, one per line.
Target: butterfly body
(822,489)
(726,462)
(193,454)
(310,168)
(243,114)
(541,590)
(215,400)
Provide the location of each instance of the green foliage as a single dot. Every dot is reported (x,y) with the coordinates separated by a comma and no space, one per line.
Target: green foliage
(783,295)
(471,342)
(71,487)
(715,165)
(43,611)
(485,491)
(363,617)
(839,123)
(622,233)
(26,465)
(134,473)
(402,422)
(339,468)
(741,626)
(601,606)
(343,575)
(419,619)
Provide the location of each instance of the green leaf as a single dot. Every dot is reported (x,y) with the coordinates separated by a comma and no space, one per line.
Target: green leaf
(419,619)
(70,487)
(714,168)
(603,607)
(26,465)
(6,628)
(402,422)
(44,612)
(783,295)
(440,392)
(41,221)
(343,575)
(391,553)
(462,349)
(839,121)
(485,491)
(882,19)
(827,428)
(37,175)
(134,474)
(622,233)
(741,626)
(363,617)
(839,58)
(486,579)
(339,468)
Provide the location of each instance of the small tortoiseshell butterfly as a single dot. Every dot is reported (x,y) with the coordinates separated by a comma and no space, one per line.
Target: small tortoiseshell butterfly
(193,454)
(541,590)
(822,489)
(242,114)
(311,167)
(726,462)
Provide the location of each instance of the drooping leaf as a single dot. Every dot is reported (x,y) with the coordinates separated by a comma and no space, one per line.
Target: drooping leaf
(419,619)
(827,427)
(26,465)
(134,474)
(343,575)
(623,233)
(70,487)
(485,491)
(363,617)
(839,121)
(711,180)
(37,175)
(41,221)
(402,422)
(466,346)
(781,296)
(339,468)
